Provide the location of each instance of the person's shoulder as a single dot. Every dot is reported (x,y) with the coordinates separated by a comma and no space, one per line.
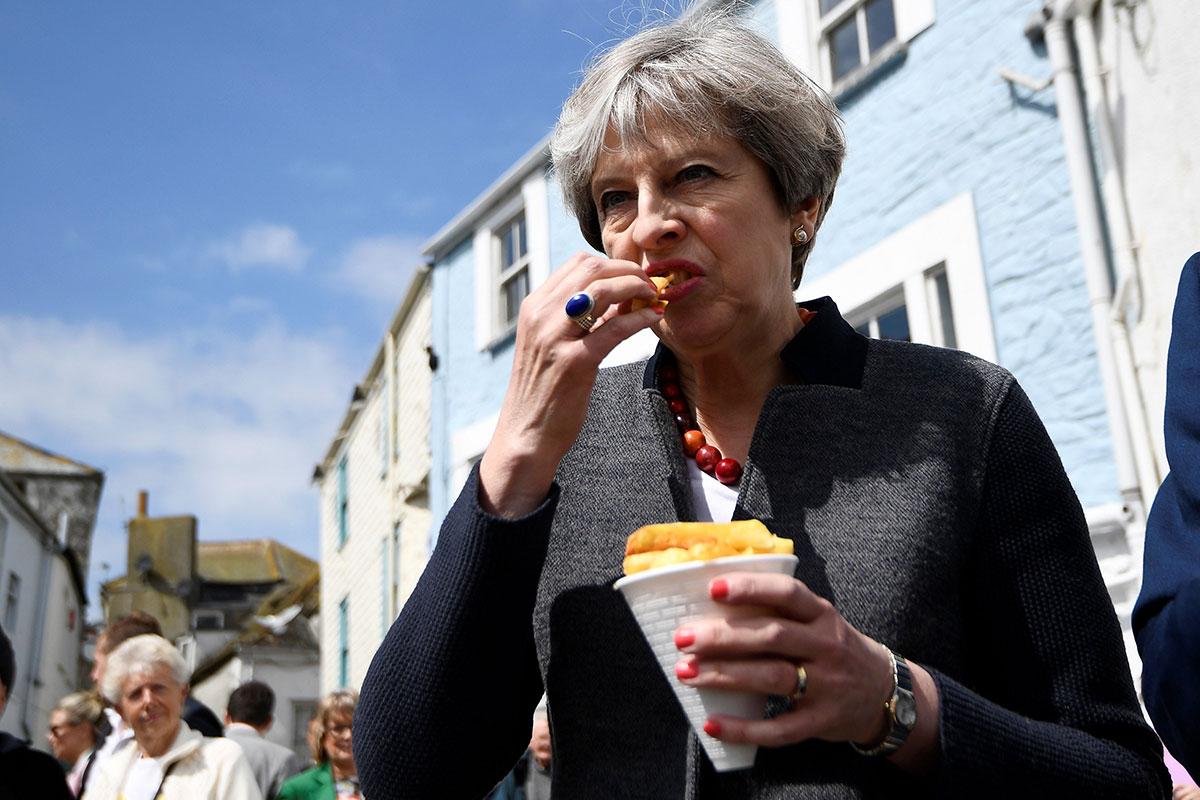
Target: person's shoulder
(896,360)
(298,784)
(33,770)
(220,749)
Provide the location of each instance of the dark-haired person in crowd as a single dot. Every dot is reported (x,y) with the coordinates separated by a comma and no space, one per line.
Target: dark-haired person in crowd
(248,717)
(946,632)
(73,736)
(25,773)
(1166,619)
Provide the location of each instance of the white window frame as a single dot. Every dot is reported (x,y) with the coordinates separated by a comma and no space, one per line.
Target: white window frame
(949,236)
(801,35)
(533,198)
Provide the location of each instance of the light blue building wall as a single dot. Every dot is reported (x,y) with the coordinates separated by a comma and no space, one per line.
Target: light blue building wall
(935,123)
(939,122)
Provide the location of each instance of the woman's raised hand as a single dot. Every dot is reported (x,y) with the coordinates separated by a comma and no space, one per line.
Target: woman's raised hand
(554,368)
(849,675)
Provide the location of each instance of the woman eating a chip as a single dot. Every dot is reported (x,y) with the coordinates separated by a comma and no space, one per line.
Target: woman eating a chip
(946,630)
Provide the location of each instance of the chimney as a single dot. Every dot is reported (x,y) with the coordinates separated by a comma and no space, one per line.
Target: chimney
(143,503)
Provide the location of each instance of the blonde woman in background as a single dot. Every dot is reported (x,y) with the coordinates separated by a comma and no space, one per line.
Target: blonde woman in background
(74,734)
(335,777)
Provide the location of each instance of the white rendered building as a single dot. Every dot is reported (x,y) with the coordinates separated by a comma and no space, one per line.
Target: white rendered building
(374,485)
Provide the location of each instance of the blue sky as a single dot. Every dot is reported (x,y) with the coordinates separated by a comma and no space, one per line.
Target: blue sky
(208,212)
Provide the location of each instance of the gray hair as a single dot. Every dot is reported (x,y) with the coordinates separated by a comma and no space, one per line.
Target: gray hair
(717,78)
(140,654)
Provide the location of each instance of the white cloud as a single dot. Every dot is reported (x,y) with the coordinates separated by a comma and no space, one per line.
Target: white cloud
(377,270)
(222,425)
(263,245)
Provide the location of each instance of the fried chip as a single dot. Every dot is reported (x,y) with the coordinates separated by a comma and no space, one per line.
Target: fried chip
(660,545)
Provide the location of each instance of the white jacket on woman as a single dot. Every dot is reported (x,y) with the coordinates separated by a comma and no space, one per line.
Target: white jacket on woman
(196,768)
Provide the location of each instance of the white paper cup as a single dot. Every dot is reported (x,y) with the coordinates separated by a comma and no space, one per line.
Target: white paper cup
(663,599)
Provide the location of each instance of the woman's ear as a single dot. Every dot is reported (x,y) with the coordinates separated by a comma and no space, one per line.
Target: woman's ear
(806,214)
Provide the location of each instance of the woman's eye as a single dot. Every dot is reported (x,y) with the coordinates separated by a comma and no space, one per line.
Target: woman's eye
(612,199)
(695,172)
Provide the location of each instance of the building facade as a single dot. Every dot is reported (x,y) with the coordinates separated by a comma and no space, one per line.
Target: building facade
(373,486)
(48,509)
(237,610)
(962,219)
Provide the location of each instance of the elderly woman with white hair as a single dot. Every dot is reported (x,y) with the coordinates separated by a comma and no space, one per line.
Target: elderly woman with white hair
(146,679)
(946,631)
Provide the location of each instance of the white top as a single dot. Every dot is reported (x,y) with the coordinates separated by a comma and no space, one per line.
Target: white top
(712,500)
(117,740)
(142,780)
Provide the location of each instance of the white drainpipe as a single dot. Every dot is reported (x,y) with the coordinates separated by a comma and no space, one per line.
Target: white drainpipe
(1150,467)
(1088,214)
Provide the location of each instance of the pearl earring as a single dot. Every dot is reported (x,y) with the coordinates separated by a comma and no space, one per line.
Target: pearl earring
(799,236)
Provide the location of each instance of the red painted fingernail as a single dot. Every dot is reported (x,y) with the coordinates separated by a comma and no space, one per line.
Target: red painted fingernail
(685,670)
(712,728)
(719,589)
(684,638)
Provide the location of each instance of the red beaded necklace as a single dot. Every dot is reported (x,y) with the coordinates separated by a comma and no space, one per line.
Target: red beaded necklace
(727,470)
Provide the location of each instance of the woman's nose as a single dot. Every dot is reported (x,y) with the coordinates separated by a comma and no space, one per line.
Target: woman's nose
(658,224)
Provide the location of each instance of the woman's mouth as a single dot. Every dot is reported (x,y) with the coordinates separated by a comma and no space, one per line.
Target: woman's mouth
(675,277)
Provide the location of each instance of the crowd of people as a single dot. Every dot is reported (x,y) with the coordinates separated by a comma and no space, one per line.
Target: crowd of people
(138,734)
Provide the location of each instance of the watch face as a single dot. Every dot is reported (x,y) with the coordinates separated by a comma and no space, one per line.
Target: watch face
(906,709)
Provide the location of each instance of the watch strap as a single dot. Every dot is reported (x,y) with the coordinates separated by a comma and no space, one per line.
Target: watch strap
(900,708)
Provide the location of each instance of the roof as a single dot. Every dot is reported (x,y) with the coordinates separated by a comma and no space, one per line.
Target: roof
(306,595)
(18,455)
(454,230)
(411,295)
(252,561)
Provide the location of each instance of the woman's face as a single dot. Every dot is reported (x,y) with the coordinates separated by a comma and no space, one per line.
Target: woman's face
(151,702)
(69,740)
(704,206)
(337,740)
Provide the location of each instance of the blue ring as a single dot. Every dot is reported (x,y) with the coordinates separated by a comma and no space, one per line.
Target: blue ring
(579,305)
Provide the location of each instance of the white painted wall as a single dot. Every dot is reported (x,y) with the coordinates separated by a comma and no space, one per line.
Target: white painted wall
(46,588)
(1153,89)
(382,493)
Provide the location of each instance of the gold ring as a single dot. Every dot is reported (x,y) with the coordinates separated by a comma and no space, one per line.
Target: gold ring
(801,685)
(586,322)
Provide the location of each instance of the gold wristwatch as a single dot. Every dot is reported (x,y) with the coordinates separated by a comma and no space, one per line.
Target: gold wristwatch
(901,710)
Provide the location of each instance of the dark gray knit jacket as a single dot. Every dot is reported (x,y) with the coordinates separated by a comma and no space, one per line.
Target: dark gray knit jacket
(925,500)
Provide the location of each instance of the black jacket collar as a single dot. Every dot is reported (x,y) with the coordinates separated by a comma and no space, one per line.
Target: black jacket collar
(826,351)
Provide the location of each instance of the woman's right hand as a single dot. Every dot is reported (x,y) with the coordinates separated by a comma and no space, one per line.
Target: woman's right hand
(554,368)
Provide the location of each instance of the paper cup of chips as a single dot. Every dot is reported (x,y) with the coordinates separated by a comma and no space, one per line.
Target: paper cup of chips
(665,597)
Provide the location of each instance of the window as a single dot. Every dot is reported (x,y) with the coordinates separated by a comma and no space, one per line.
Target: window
(512,263)
(343,504)
(302,712)
(854,32)
(890,321)
(384,610)
(395,587)
(208,620)
(10,603)
(344,642)
(510,248)
(381,437)
(892,315)
(923,283)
